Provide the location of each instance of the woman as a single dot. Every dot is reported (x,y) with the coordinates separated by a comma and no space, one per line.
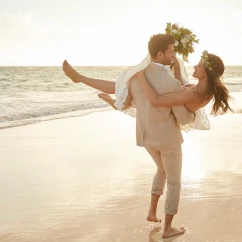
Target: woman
(208,72)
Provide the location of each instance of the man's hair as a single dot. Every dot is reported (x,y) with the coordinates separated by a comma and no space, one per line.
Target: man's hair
(159,42)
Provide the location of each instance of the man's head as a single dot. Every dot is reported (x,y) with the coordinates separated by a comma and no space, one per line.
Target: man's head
(161,48)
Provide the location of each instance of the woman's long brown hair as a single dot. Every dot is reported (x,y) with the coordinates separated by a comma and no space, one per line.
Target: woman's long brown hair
(216,88)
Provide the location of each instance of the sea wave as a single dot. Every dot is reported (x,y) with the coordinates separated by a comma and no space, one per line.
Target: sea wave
(33,94)
(30,107)
(33,120)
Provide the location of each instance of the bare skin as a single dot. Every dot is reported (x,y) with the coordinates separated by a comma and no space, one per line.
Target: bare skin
(153,209)
(153,218)
(172,231)
(101,85)
(108,99)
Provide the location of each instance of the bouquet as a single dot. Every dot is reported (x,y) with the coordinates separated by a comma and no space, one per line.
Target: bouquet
(184,39)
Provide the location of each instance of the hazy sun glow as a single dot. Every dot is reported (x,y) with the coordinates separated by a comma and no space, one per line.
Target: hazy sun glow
(112,32)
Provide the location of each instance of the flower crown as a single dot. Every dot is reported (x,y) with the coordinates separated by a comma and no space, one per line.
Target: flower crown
(184,39)
(205,60)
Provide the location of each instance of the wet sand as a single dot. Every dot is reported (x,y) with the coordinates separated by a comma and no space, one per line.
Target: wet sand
(84,179)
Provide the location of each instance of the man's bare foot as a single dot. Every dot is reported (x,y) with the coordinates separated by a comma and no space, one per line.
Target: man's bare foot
(152,218)
(70,72)
(172,231)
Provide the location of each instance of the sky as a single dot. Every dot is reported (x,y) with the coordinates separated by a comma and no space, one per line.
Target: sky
(110,33)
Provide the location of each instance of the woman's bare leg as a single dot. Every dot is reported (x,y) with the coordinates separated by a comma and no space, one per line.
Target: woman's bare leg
(101,85)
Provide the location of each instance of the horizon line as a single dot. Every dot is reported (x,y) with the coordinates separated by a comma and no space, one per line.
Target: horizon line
(88,65)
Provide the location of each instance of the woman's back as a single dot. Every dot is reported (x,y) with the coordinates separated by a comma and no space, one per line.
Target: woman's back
(198,101)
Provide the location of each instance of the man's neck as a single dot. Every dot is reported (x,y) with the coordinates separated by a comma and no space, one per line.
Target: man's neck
(160,64)
(157,61)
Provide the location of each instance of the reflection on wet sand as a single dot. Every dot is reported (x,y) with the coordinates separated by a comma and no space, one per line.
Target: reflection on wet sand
(74,184)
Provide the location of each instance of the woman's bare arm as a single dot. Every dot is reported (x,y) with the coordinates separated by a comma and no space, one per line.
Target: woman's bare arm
(171,99)
(177,70)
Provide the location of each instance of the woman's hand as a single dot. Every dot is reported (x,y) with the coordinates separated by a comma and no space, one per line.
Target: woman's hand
(175,61)
(177,69)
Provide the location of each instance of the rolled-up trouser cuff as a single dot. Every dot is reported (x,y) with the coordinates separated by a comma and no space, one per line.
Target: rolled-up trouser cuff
(170,212)
(159,193)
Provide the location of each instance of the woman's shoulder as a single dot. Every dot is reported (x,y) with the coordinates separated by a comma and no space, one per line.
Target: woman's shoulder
(200,99)
(189,85)
(193,95)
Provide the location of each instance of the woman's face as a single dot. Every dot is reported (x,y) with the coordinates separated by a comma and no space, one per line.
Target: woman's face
(199,71)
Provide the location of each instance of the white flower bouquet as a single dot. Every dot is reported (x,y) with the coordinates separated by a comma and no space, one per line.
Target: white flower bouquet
(184,39)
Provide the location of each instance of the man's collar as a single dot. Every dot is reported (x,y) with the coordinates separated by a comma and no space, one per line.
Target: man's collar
(159,64)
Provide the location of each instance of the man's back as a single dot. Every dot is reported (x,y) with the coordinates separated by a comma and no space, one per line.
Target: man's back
(156,127)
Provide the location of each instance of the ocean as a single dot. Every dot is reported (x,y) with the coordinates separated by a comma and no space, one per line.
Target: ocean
(34,94)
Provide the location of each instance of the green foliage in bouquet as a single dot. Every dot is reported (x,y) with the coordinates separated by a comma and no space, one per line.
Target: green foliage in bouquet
(185,39)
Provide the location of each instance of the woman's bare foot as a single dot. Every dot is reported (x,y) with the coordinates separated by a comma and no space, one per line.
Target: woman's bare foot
(153,218)
(107,98)
(70,72)
(172,231)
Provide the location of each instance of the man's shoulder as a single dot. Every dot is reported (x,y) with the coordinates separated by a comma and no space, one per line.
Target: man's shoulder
(154,70)
(153,66)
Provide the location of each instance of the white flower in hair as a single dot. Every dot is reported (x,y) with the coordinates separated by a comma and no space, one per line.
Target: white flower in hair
(205,60)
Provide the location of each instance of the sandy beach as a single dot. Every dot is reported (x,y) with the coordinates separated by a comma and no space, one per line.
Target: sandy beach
(84,179)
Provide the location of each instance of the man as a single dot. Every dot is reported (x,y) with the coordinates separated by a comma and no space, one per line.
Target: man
(157,128)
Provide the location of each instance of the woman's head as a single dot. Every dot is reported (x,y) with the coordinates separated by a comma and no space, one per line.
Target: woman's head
(211,68)
(209,65)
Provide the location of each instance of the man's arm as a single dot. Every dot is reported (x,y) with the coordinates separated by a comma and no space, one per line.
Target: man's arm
(182,115)
(175,100)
